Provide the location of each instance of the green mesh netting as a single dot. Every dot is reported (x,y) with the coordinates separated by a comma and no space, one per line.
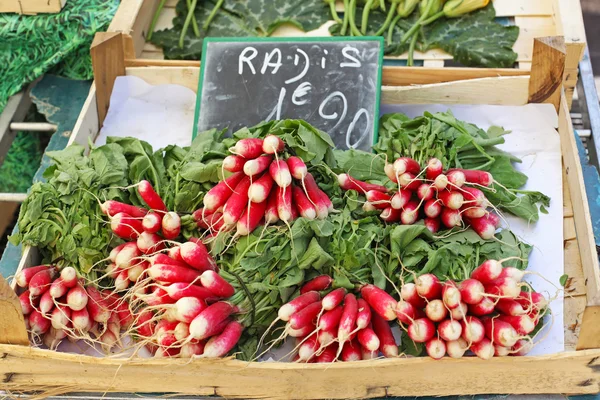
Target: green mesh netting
(31,45)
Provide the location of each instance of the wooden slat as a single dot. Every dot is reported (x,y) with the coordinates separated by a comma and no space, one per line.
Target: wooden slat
(87,126)
(185,76)
(165,19)
(547,71)
(31,7)
(15,110)
(511,8)
(36,369)
(133,18)
(569,229)
(589,333)
(576,282)
(12,323)
(572,318)
(567,205)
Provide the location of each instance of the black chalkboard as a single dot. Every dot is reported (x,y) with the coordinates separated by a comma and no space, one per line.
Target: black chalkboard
(332,83)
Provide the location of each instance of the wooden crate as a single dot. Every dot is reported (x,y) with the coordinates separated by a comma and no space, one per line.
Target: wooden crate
(572,371)
(536,18)
(31,7)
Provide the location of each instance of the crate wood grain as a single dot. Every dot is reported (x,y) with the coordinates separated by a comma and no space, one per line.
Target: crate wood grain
(24,368)
(31,7)
(535,18)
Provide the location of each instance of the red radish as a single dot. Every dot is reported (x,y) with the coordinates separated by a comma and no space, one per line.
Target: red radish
(61,317)
(522,347)
(500,332)
(483,349)
(97,305)
(433,224)
(406,164)
(145,324)
(380,301)
(512,272)
(368,207)
(450,295)
(149,243)
(473,212)
(459,312)
(432,208)
(258,165)
(328,355)
(428,286)
(440,182)
(297,304)
(119,306)
(152,222)
(347,182)
(112,208)
(333,299)
(187,308)
(400,199)
(388,346)
(532,299)
(494,219)
(501,351)
(472,329)
(368,339)
(207,322)
(504,287)
(436,311)
(77,298)
(305,206)
(408,181)
(196,256)
(220,345)
(165,332)
(306,316)
(271,213)
(425,191)
(125,226)
(41,281)
(421,330)
(174,253)
(410,213)
(46,303)
(474,197)
(158,297)
(308,349)
(26,306)
(471,291)
(192,349)
(24,277)
(150,197)
(248,148)
(330,320)
(363,316)
(522,324)
(128,256)
(509,307)
(450,330)
(170,352)
(433,169)
(475,177)
(58,288)
(351,351)
(38,323)
(219,194)
(451,199)
(456,178)
(173,274)
(259,190)
(379,200)
(216,284)
(457,348)
(318,197)
(483,226)
(171,225)
(391,214)
(237,202)
(251,218)
(302,332)
(451,218)
(319,283)
(213,222)
(81,319)
(164,259)
(484,307)
(297,167)
(348,319)
(285,208)
(280,173)
(234,163)
(389,171)
(405,312)
(408,292)
(436,348)
(69,276)
(272,144)
(181,289)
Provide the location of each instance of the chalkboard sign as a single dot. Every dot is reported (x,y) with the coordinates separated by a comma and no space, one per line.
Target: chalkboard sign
(332,83)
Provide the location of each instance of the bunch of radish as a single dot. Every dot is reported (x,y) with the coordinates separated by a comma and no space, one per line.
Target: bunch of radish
(449,199)
(487,314)
(264,188)
(339,326)
(57,305)
(183,312)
